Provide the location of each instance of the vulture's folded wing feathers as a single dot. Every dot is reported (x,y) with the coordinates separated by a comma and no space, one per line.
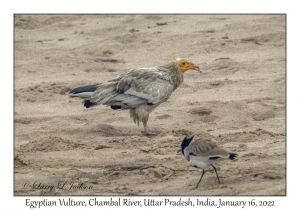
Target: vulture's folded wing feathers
(135,87)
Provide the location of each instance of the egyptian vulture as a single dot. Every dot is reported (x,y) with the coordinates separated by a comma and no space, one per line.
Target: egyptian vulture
(140,90)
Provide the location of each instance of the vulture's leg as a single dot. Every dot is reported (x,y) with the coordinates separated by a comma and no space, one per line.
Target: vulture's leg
(147,131)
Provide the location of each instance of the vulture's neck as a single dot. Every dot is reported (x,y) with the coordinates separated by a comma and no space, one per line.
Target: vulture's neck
(176,74)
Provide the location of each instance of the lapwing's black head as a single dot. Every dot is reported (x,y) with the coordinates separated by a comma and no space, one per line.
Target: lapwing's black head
(186,142)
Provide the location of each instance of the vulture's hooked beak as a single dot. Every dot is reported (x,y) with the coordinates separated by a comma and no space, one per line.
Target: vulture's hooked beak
(197,68)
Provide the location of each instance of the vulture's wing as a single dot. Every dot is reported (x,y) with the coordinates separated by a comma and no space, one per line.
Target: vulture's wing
(144,85)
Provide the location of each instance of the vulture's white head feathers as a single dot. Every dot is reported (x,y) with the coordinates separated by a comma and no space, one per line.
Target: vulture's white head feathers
(186,65)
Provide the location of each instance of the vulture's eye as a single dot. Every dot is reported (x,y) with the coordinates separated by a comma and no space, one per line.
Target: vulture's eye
(183,63)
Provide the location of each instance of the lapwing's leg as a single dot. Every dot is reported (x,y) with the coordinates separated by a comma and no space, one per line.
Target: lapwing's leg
(216,173)
(200,179)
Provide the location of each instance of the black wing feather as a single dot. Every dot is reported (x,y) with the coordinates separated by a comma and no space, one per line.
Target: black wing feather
(89,88)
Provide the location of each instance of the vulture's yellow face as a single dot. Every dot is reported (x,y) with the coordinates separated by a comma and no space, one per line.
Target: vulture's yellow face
(185,65)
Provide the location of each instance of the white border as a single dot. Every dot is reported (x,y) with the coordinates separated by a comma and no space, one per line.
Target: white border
(154,6)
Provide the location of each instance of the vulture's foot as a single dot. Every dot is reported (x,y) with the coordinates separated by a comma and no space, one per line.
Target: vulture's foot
(150,133)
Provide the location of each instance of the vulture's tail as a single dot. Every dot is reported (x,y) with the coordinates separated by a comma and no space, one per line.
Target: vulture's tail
(96,94)
(85,93)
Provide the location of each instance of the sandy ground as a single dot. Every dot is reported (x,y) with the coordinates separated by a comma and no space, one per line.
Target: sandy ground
(239,100)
